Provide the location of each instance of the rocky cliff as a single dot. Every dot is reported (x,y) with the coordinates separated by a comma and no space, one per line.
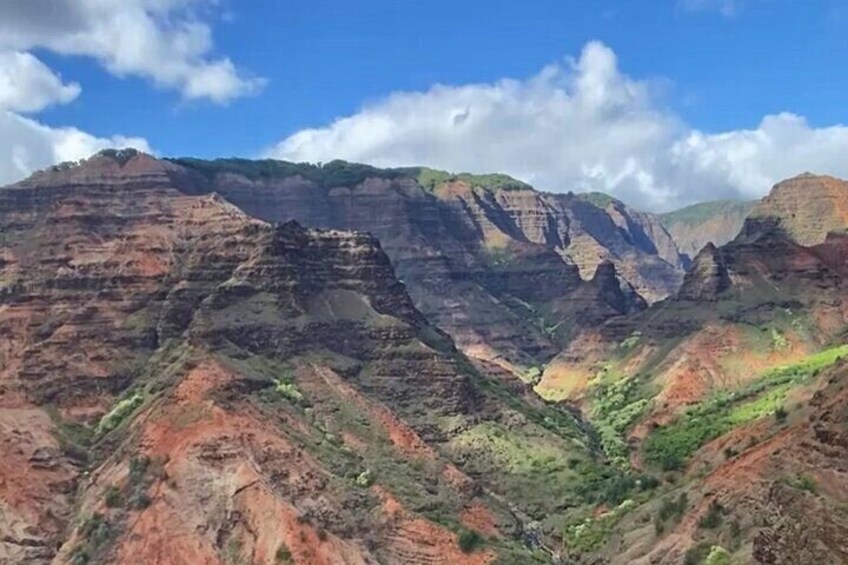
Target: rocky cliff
(488,259)
(716,222)
(183,383)
(722,388)
(806,207)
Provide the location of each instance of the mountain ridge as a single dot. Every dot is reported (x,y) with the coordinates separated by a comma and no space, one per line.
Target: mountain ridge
(455,232)
(175,370)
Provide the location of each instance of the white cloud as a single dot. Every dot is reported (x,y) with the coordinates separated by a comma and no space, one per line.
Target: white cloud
(165,41)
(162,40)
(26,145)
(746,163)
(581,125)
(28,85)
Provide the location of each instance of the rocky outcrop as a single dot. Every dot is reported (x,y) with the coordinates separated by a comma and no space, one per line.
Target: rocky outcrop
(708,276)
(806,207)
(483,258)
(716,222)
(181,383)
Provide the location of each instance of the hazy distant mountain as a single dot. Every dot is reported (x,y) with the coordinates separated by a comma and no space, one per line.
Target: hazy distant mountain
(708,222)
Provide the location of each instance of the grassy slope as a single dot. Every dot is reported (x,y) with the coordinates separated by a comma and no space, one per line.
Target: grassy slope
(699,213)
(670,446)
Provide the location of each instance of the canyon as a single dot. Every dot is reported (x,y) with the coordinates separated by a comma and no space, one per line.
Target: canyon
(265,362)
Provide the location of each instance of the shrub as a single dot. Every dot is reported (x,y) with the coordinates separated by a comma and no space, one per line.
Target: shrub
(780,414)
(113,497)
(118,414)
(713,517)
(804,482)
(470,540)
(674,508)
(533,375)
(365,478)
(648,482)
(95,529)
(718,556)
(289,391)
(659,526)
(696,555)
(138,467)
(139,500)
(283,554)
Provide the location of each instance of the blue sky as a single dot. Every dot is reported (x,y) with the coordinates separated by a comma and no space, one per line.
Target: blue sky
(713,67)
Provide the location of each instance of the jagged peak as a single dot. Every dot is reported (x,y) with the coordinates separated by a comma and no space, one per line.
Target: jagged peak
(605,271)
(708,276)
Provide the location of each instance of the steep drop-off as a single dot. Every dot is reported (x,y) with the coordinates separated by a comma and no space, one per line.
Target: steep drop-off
(722,390)
(807,207)
(487,258)
(695,226)
(182,383)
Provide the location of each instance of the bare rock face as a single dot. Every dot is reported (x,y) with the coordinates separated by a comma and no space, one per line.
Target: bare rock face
(716,222)
(708,276)
(487,263)
(807,207)
(183,383)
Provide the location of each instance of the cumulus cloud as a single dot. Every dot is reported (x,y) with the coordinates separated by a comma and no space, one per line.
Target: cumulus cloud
(746,163)
(165,41)
(26,145)
(162,40)
(28,85)
(580,125)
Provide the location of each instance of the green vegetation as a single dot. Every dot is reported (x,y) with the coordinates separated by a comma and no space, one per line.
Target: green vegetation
(713,518)
(671,509)
(631,342)
(74,439)
(803,482)
(718,556)
(133,495)
(365,479)
(670,446)
(114,499)
(432,179)
(699,213)
(280,377)
(521,458)
(334,173)
(532,376)
(283,555)
(593,531)
(599,199)
(289,391)
(617,402)
(118,414)
(698,554)
(95,532)
(778,341)
(232,552)
(470,540)
(342,173)
(706,554)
